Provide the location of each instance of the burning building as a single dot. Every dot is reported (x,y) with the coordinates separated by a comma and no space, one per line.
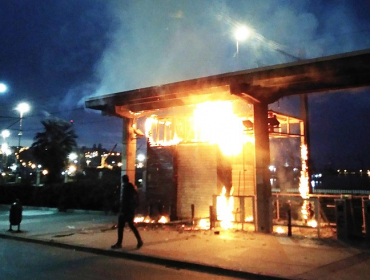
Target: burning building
(211,135)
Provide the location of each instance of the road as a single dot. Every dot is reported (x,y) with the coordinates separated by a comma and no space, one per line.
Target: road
(22,260)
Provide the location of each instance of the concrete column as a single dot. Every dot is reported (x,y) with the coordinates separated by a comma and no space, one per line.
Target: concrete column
(128,149)
(262,162)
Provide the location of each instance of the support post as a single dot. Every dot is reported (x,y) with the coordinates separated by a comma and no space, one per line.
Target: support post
(262,161)
(128,151)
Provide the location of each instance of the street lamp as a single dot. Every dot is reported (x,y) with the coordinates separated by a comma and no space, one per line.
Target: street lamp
(241,33)
(3,88)
(21,108)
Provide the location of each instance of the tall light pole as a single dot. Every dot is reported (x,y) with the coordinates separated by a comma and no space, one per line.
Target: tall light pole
(21,108)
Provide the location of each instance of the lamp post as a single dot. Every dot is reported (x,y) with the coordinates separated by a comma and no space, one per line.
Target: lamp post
(21,108)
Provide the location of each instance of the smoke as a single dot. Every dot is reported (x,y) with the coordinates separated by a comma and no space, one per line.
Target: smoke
(157,42)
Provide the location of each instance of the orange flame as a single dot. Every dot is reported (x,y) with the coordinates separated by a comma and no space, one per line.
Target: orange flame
(225,207)
(213,122)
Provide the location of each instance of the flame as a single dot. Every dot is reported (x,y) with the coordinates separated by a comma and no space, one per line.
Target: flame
(216,122)
(249,219)
(304,188)
(163,220)
(204,224)
(303,180)
(280,230)
(225,207)
(139,219)
(213,122)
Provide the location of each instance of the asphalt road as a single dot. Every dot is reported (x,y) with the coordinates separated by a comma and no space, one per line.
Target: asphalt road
(23,260)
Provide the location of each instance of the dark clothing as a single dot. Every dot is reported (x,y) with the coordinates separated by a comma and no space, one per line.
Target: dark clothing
(128,203)
(127,213)
(122,220)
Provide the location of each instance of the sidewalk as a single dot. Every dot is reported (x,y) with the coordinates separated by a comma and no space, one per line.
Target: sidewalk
(233,253)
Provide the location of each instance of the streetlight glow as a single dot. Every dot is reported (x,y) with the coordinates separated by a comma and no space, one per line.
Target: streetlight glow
(5,134)
(3,88)
(242,33)
(23,108)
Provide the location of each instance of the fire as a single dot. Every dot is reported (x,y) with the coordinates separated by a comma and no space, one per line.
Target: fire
(304,180)
(163,220)
(225,207)
(304,189)
(280,230)
(213,122)
(216,122)
(204,224)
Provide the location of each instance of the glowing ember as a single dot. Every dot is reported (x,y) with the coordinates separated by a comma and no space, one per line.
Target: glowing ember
(225,207)
(312,223)
(163,220)
(280,230)
(139,219)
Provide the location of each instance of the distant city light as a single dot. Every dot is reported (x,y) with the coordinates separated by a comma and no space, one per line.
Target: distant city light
(72,156)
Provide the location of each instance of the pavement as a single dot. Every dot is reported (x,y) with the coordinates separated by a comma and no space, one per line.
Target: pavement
(236,253)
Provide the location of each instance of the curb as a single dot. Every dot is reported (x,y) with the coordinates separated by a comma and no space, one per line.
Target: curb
(216,270)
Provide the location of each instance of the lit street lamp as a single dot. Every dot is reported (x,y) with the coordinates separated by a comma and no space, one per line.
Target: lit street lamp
(3,88)
(241,33)
(21,108)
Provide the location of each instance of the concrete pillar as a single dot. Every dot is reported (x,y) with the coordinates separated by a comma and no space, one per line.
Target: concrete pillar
(128,149)
(262,162)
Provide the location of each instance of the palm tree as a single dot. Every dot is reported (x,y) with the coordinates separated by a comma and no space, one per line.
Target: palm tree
(52,147)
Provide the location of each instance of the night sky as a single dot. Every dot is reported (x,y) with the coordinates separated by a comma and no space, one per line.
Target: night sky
(54,54)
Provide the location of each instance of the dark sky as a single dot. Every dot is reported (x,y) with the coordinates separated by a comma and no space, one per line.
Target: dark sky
(54,54)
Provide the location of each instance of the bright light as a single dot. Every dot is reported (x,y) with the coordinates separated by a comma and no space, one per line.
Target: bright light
(242,33)
(5,133)
(224,129)
(225,207)
(72,156)
(141,157)
(72,169)
(279,230)
(163,220)
(3,88)
(23,108)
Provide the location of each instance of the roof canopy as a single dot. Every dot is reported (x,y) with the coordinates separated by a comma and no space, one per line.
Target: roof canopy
(266,84)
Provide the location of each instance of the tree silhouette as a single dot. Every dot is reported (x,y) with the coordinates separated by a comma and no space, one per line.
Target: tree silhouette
(52,146)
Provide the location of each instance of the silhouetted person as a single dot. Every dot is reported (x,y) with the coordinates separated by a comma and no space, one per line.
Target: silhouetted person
(127,213)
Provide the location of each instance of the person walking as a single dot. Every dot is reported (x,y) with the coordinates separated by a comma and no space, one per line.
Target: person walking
(127,212)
